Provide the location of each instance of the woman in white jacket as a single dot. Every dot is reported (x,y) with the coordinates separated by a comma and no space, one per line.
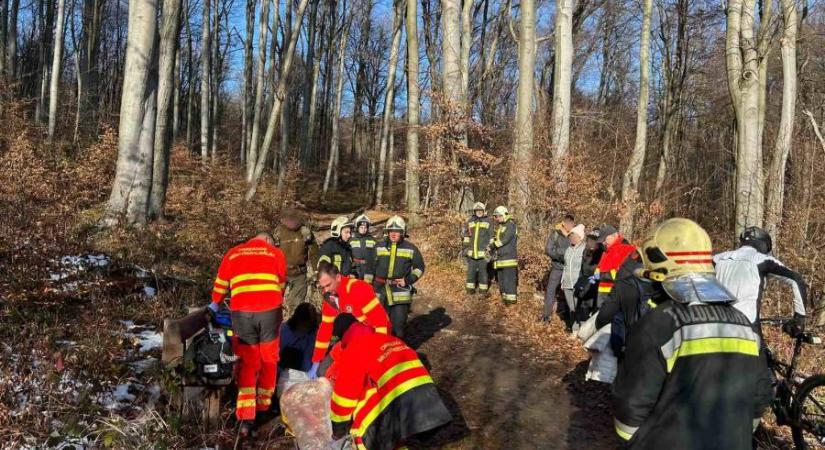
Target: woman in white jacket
(572,270)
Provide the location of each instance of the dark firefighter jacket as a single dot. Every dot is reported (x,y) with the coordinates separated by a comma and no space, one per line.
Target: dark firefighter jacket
(336,252)
(504,245)
(393,262)
(383,393)
(363,255)
(477,236)
(692,378)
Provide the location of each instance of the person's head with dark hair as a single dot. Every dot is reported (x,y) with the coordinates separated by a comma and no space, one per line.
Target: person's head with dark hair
(568,221)
(305,318)
(329,277)
(346,327)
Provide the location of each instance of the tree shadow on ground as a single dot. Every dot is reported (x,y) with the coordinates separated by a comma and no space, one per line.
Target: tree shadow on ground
(423,327)
(591,421)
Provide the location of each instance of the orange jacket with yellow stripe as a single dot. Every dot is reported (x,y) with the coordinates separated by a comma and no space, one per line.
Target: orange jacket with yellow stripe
(383,393)
(254,275)
(355,297)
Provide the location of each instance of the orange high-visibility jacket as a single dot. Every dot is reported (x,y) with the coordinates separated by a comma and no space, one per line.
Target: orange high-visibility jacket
(383,393)
(608,267)
(355,297)
(254,275)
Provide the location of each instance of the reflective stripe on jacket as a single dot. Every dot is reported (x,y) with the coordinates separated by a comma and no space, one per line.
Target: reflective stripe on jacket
(338,253)
(477,236)
(505,244)
(253,274)
(355,297)
(692,378)
(394,262)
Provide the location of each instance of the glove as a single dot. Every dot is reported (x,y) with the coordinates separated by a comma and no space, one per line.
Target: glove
(214,307)
(313,371)
(593,279)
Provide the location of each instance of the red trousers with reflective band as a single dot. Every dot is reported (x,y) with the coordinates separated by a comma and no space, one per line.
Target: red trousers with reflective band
(256,344)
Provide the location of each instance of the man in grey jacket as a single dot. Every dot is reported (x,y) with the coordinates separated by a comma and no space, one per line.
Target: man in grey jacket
(556,245)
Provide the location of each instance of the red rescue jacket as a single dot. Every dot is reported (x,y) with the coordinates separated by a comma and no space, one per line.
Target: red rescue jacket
(608,267)
(355,297)
(254,275)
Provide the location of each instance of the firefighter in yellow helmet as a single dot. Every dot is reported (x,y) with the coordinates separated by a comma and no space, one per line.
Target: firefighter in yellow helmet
(478,233)
(692,356)
(363,249)
(398,265)
(336,249)
(502,250)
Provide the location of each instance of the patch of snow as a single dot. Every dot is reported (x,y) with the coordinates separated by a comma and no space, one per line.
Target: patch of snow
(72,443)
(66,343)
(58,276)
(70,287)
(97,260)
(118,398)
(142,274)
(149,340)
(128,324)
(153,396)
(149,291)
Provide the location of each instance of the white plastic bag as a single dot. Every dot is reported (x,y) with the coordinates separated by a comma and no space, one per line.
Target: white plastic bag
(288,378)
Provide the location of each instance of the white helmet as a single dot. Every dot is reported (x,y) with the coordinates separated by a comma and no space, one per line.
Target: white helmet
(478,206)
(501,211)
(339,224)
(396,223)
(362,219)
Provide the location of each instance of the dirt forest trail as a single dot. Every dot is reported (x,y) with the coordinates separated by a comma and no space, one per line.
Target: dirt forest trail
(503,393)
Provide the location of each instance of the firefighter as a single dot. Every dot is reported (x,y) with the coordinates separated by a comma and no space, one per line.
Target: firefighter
(363,249)
(503,251)
(398,265)
(297,242)
(616,250)
(344,294)
(336,249)
(477,237)
(693,377)
(253,274)
(382,392)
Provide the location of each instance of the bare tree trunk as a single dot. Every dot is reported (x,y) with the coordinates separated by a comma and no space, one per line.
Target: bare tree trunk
(4,20)
(169,33)
(280,94)
(205,82)
(92,19)
(784,140)
(216,72)
(133,179)
(742,62)
(11,40)
(190,80)
(451,53)
(45,47)
(176,94)
(630,186)
(413,109)
(466,47)
(57,62)
(248,87)
(339,91)
(309,86)
(562,78)
(389,98)
(519,192)
(260,88)
(309,138)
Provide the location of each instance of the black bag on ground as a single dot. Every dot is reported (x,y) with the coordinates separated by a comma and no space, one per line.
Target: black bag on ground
(210,356)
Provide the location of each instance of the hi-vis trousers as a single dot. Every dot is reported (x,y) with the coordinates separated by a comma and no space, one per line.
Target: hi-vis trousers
(256,344)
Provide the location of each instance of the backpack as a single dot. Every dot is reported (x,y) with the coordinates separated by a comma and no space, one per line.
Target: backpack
(619,329)
(210,357)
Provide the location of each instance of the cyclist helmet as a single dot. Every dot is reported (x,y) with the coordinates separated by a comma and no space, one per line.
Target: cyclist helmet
(757,238)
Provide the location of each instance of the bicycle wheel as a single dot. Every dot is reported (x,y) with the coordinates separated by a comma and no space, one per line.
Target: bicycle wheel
(809,413)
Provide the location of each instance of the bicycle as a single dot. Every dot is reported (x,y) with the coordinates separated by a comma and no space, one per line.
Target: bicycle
(798,402)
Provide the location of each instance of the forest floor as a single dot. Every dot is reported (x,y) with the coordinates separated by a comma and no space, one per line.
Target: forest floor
(81,311)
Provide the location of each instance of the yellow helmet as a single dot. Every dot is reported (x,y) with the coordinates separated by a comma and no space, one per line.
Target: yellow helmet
(501,211)
(679,256)
(396,223)
(478,206)
(339,224)
(677,247)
